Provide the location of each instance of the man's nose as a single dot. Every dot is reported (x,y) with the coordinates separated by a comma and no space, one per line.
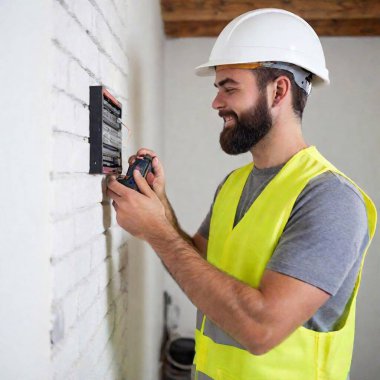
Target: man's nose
(218,102)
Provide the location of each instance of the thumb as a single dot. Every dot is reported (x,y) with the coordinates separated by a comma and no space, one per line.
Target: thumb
(142,184)
(157,168)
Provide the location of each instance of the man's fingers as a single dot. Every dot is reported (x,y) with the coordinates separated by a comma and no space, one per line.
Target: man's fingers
(132,159)
(157,167)
(142,184)
(111,194)
(150,179)
(113,186)
(143,151)
(116,188)
(116,191)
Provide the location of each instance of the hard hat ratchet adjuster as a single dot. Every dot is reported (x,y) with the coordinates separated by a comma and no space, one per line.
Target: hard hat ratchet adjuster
(301,77)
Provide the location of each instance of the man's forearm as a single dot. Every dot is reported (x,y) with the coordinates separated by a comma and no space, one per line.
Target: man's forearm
(172,218)
(229,303)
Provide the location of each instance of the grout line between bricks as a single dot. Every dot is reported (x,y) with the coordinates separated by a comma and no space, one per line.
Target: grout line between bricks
(69,94)
(54,218)
(72,135)
(85,280)
(111,307)
(75,363)
(118,360)
(66,51)
(114,359)
(54,260)
(58,45)
(58,176)
(118,13)
(92,37)
(96,6)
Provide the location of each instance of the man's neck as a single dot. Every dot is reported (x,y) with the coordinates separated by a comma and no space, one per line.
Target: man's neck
(278,146)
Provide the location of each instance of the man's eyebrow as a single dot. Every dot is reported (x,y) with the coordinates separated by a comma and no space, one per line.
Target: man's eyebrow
(225,81)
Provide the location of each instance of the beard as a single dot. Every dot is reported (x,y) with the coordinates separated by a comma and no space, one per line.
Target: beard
(249,129)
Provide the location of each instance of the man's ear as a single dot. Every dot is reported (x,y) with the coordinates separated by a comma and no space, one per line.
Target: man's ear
(281,89)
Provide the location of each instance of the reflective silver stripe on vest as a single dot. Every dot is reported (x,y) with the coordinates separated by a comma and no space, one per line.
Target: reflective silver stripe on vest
(219,336)
(199,319)
(193,372)
(197,375)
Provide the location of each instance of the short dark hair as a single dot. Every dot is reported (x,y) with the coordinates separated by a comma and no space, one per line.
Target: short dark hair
(264,75)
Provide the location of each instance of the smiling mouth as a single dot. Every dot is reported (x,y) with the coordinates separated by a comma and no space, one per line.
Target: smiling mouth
(229,121)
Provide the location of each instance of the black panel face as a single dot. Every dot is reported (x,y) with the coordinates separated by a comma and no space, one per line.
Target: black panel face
(105,132)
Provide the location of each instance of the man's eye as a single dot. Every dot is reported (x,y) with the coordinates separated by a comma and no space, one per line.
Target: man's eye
(230,90)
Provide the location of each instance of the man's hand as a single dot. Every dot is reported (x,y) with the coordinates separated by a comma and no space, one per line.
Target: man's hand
(141,214)
(144,215)
(156,180)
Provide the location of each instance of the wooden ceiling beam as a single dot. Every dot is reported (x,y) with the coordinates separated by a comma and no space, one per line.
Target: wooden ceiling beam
(201,18)
(217,10)
(358,27)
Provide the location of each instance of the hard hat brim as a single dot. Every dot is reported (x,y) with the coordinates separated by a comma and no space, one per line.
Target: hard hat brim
(208,69)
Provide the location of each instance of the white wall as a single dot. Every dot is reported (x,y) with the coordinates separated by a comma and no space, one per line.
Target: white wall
(25,285)
(342,120)
(145,118)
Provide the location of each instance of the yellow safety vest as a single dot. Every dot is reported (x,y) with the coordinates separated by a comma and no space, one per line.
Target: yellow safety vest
(243,252)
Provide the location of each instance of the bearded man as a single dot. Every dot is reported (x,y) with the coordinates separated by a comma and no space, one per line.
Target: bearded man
(275,267)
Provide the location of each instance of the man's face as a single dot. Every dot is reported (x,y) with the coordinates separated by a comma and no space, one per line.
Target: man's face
(244,109)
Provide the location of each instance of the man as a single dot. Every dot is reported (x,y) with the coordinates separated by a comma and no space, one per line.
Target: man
(275,267)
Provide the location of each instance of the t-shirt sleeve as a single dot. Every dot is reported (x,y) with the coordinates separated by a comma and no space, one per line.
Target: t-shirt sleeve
(327,232)
(204,228)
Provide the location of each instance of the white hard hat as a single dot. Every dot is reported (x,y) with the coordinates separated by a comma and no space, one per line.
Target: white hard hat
(268,35)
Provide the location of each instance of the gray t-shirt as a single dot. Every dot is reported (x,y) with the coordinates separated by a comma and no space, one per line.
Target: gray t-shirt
(323,241)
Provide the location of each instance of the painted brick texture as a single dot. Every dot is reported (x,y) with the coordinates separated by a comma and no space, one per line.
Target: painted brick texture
(89,251)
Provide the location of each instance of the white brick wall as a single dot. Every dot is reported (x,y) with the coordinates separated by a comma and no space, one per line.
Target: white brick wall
(63,270)
(89,251)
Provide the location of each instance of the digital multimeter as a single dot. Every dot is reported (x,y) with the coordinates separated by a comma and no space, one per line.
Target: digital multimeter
(144,165)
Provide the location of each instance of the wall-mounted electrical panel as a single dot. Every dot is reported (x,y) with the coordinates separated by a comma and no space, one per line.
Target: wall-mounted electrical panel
(105,132)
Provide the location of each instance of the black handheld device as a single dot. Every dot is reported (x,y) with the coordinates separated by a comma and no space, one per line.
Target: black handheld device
(144,165)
